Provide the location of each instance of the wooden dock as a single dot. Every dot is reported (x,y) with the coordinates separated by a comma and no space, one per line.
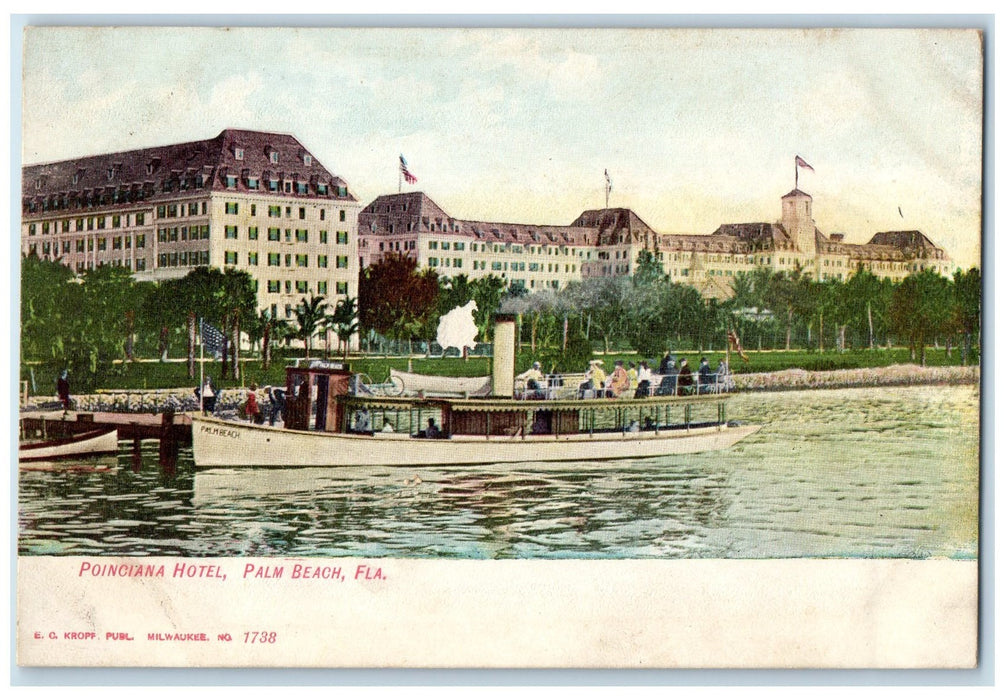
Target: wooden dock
(171,430)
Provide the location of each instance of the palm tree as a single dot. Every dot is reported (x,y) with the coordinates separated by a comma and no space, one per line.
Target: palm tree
(345,322)
(310,315)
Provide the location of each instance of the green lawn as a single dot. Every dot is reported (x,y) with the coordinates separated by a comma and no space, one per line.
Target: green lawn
(172,374)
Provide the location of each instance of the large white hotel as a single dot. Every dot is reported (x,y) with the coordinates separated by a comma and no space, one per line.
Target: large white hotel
(262,203)
(254,201)
(607,242)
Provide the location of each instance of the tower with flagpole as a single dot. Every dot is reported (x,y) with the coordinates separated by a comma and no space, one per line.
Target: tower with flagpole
(607,190)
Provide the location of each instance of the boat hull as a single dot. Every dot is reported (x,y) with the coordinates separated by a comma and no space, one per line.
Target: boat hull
(98,442)
(218,443)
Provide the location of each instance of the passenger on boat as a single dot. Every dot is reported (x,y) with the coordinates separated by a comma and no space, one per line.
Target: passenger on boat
(251,409)
(277,403)
(724,377)
(432,430)
(533,381)
(685,380)
(645,380)
(595,379)
(668,383)
(619,380)
(361,422)
(706,378)
(666,363)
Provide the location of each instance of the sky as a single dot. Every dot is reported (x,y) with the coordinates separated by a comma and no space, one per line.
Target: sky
(696,127)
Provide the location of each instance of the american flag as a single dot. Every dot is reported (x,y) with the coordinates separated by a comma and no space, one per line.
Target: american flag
(409,178)
(803,164)
(212,338)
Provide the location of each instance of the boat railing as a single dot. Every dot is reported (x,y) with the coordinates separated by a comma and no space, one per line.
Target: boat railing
(573,386)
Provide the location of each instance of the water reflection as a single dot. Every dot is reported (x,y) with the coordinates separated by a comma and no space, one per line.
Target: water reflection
(839,473)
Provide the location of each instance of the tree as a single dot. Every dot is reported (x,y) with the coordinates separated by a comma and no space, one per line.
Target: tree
(395,298)
(921,310)
(648,270)
(966,316)
(310,316)
(344,320)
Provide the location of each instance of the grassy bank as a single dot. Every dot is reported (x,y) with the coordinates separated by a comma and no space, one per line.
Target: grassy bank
(166,375)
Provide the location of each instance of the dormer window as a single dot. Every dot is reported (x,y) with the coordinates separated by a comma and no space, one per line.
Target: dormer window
(273,156)
(308,160)
(238,153)
(252,183)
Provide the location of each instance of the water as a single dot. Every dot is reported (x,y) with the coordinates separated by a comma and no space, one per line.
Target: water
(847,473)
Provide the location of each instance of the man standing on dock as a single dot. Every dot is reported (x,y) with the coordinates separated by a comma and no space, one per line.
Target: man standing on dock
(63,389)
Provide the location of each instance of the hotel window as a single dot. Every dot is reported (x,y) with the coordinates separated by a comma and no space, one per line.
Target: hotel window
(253,257)
(458,262)
(341,236)
(301,188)
(66,246)
(273,185)
(273,156)
(322,261)
(289,260)
(432,245)
(302,260)
(116,243)
(323,236)
(141,242)
(101,222)
(301,235)
(230,257)
(252,233)
(341,215)
(31,229)
(238,153)
(433,262)
(274,287)
(231,207)
(252,185)
(289,289)
(275,211)
(230,232)
(273,259)
(303,212)
(458,245)
(301,286)
(80,245)
(140,219)
(341,287)
(342,261)
(230,181)
(193,208)
(307,159)
(273,234)
(322,189)
(66,227)
(205,232)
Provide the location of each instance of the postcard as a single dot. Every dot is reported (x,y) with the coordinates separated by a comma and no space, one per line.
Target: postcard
(500,347)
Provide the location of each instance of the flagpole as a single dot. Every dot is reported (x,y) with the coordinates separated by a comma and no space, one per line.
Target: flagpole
(796,161)
(202,364)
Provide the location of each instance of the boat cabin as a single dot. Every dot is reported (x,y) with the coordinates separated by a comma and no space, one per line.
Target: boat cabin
(317,386)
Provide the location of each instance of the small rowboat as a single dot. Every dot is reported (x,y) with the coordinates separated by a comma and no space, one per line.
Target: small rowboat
(96,442)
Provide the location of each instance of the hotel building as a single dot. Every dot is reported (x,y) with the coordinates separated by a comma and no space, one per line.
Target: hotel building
(249,200)
(607,243)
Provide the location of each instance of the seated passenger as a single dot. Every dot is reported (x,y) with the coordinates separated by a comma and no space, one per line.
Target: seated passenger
(533,381)
(595,380)
(619,380)
(645,380)
(432,430)
(361,422)
(685,380)
(706,379)
(724,378)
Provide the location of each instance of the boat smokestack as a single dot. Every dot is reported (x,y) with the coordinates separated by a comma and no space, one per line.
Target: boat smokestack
(503,355)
